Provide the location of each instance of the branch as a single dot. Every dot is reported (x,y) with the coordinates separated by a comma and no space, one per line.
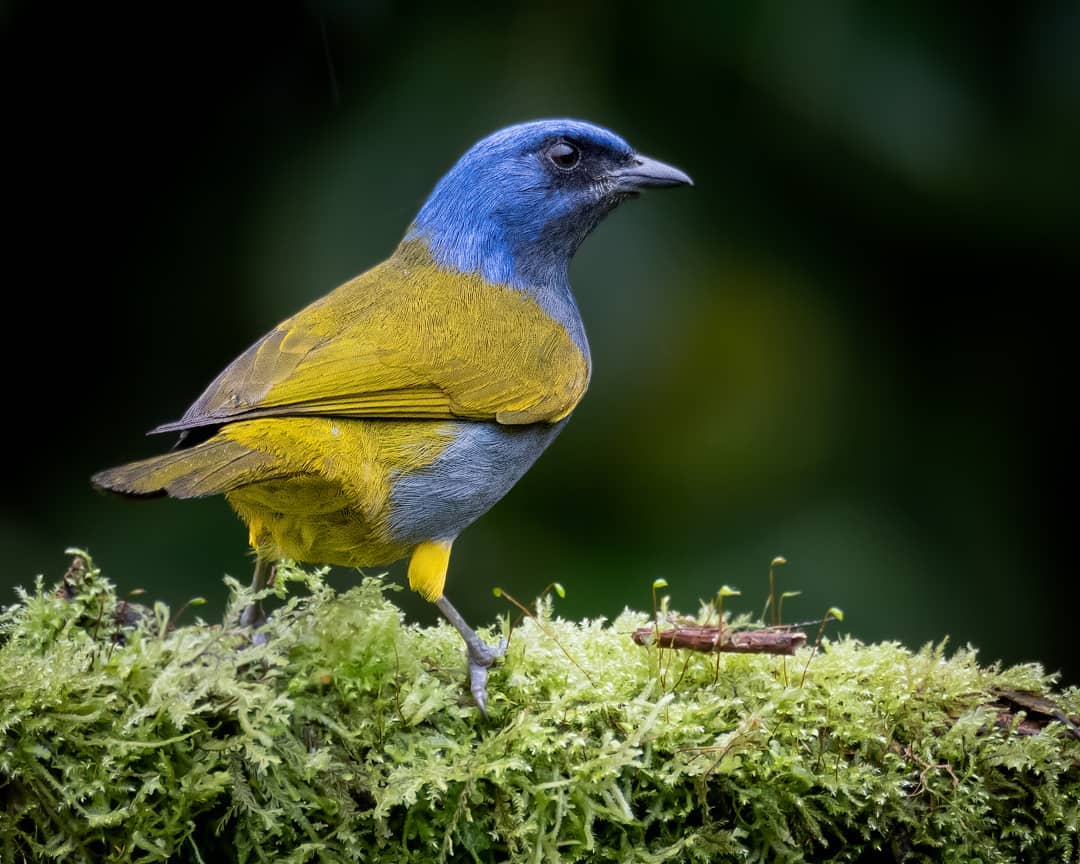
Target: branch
(717,640)
(343,734)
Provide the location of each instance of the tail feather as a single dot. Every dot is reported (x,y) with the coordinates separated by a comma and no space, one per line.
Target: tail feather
(210,468)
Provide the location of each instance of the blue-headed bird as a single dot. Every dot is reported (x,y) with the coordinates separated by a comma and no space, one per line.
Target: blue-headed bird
(383,419)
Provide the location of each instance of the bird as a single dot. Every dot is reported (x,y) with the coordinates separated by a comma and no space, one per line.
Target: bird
(384,418)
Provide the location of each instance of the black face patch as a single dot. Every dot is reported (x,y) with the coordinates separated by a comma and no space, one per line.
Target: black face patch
(576,164)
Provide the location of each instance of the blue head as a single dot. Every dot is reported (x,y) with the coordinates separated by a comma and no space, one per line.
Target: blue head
(518,204)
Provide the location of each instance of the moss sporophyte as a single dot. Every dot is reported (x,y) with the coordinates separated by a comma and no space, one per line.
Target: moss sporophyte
(345,735)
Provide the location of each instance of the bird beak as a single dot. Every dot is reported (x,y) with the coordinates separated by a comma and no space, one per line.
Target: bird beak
(645,173)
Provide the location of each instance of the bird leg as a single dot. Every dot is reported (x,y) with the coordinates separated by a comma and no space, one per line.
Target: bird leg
(481,655)
(253,615)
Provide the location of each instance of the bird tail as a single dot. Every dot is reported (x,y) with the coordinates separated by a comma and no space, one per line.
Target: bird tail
(209,468)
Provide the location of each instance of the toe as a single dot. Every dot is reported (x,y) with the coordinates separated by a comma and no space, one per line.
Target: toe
(485,655)
(478,676)
(481,658)
(253,616)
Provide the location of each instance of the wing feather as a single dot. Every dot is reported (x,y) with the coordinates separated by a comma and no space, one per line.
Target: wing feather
(406,340)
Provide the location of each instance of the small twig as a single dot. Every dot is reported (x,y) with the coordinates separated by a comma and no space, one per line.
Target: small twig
(194,601)
(1038,712)
(397,684)
(833,614)
(723,752)
(658,583)
(741,737)
(909,753)
(100,614)
(770,603)
(525,609)
(725,591)
(551,586)
(715,640)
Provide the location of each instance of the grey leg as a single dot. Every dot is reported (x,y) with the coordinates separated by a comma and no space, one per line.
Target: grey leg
(253,616)
(481,655)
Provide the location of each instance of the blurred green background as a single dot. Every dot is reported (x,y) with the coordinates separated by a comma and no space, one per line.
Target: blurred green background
(848,345)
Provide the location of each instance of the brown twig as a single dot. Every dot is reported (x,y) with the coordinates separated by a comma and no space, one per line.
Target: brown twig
(716,640)
(1038,712)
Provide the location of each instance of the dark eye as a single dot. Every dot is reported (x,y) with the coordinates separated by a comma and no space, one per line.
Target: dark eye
(564,155)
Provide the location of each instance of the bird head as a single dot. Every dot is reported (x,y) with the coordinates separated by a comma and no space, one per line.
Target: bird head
(518,204)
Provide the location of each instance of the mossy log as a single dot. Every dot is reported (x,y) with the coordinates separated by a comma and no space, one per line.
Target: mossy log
(343,734)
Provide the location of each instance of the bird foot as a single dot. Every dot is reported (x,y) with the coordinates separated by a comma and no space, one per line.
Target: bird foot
(253,616)
(481,658)
(481,655)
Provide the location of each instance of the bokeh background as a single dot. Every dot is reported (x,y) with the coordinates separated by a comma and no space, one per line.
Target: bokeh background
(849,344)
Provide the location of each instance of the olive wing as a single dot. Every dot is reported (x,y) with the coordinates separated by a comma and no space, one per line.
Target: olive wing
(405,340)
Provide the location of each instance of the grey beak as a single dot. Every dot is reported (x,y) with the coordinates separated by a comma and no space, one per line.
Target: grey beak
(646,173)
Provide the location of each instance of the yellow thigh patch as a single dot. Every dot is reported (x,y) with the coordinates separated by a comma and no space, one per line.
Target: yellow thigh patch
(427,568)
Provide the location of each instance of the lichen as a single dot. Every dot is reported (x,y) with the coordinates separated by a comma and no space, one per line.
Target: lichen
(345,734)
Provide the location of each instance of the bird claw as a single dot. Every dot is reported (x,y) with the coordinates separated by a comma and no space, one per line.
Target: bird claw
(481,655)
(481,659)
(253,616)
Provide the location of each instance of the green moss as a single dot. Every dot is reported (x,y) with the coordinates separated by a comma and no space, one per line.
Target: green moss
(348,735)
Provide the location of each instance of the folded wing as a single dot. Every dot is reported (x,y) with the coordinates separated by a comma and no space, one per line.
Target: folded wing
(406,340)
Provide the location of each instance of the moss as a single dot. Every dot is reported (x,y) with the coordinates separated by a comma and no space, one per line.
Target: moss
(348,735)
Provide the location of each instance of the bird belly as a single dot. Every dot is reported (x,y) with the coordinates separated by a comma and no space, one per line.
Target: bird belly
(479,466)
(365,492)
(325,499)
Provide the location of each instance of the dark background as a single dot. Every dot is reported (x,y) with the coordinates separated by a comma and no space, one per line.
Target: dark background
(847,345)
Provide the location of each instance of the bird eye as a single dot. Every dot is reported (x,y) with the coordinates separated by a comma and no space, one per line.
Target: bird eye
(564,155)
